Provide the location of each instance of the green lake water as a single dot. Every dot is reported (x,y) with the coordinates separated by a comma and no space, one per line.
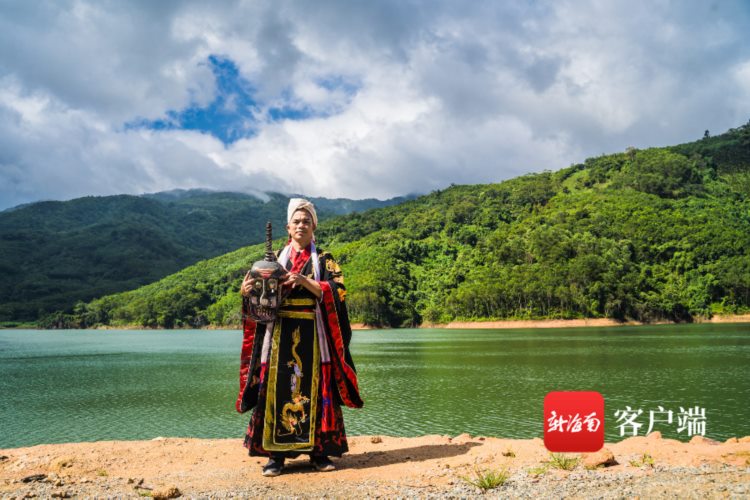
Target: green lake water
(62,386)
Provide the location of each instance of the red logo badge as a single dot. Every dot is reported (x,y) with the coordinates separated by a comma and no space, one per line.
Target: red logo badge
(574,421)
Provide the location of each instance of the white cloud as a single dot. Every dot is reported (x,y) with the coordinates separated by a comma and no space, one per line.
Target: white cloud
(417,95)
(741,74)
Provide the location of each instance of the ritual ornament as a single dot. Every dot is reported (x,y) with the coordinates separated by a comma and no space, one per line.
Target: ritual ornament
(266,292)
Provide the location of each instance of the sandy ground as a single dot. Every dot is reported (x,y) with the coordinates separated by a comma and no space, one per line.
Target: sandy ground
(737,318)
(559,323)
(376,466)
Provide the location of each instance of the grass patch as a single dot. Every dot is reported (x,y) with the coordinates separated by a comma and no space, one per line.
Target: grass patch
(509,453)
(645,460)
(102,473)
(487,480)
(538,471)
(564,462)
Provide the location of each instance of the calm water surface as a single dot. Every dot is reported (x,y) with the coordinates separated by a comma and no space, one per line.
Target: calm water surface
(60,386)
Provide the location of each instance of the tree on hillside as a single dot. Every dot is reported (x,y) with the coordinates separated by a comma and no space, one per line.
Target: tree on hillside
(663,173)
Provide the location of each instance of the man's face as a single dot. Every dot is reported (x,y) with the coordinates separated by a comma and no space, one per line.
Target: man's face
(301,227)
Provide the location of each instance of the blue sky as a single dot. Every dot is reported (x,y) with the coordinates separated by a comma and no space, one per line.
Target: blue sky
(351,99)
(231,115)
(235,112)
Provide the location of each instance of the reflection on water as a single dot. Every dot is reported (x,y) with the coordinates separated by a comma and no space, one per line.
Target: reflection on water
(102,385)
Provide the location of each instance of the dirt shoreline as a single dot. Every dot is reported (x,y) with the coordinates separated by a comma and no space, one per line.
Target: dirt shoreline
(375,466)
(560,323)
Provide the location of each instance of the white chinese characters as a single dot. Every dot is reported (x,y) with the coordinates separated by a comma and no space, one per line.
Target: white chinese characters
(692,420)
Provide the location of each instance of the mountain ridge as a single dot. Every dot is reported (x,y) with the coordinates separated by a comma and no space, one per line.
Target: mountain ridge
(642,235)
(55,253)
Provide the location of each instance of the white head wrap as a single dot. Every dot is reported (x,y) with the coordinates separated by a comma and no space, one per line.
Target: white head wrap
(301,204)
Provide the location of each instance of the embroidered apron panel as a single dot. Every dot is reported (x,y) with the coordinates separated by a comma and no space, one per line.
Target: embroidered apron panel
(293,380)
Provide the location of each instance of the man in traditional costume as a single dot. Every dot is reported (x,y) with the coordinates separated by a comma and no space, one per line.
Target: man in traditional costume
(297,370)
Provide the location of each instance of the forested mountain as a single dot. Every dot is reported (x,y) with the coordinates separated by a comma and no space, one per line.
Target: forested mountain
(56,253)
(661,233)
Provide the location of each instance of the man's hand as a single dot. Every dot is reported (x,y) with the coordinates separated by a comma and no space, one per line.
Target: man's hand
(247,284)
(294,279)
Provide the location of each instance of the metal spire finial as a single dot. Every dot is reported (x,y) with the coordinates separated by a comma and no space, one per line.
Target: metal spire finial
(270,256)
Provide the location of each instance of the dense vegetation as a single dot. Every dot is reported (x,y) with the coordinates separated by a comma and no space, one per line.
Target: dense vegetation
(54,254)
(661,233)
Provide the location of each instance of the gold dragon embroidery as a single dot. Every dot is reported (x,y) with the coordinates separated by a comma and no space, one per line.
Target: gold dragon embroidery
(293,414)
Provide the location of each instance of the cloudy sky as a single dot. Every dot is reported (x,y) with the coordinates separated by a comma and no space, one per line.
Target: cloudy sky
(348,98)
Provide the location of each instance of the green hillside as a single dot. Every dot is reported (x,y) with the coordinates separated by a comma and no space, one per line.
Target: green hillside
(652,234)
(54,254)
